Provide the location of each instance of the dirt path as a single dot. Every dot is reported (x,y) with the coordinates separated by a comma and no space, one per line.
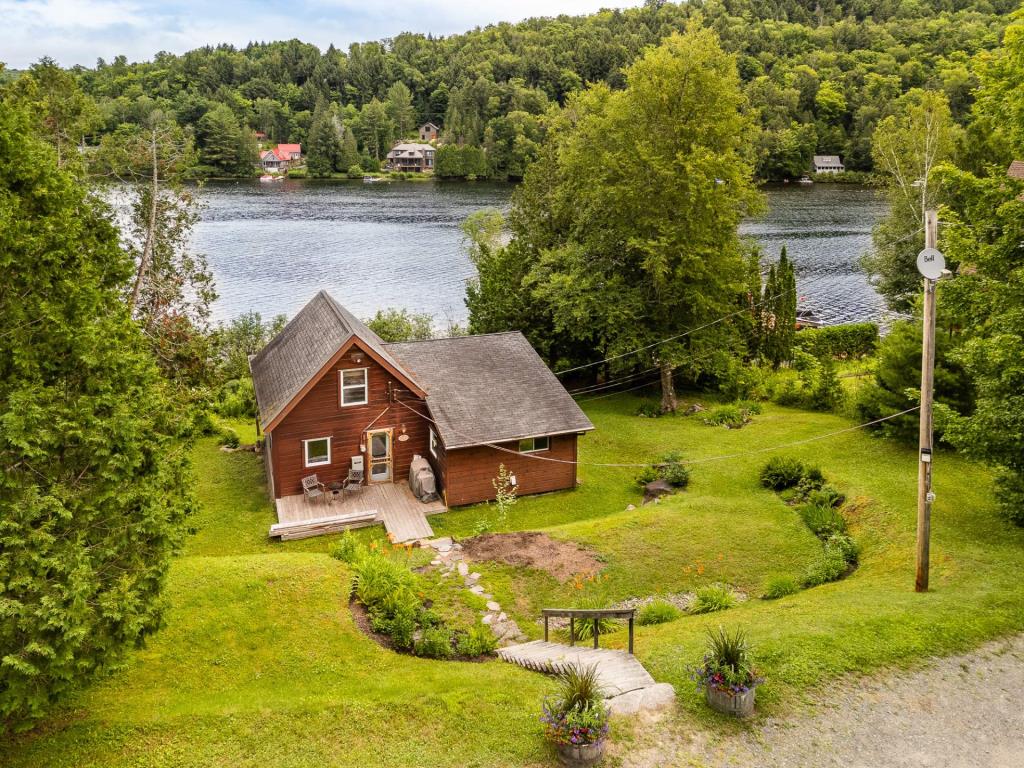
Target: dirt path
(963,711)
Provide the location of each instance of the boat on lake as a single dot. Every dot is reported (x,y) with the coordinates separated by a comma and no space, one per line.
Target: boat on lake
(270,177)
(804,180)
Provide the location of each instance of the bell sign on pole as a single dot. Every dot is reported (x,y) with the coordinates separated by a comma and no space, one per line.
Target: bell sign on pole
(930,263)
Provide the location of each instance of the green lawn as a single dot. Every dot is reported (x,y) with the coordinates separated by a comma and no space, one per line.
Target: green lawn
(261,665)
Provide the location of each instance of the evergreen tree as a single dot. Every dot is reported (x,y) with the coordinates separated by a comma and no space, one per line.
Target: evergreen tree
(223,145)
(400,109)
(324,144)
(349,149)
(375,129)
(93,492)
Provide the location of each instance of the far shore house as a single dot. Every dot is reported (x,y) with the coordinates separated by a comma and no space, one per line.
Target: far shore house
(429,132)
(281,157)
(828,164)
(416,158)
(333,397)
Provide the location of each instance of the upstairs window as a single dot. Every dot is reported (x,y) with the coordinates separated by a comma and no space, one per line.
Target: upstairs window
(317,451)
(534,444)
(353,387)
(433,444)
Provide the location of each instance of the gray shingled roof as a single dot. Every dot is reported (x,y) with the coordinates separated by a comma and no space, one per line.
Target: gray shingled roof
(489,388)
(1016,169)
(302,348)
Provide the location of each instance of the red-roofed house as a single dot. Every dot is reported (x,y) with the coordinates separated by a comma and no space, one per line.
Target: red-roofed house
(281,157)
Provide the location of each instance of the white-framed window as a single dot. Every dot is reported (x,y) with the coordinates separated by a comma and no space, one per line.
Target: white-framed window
(317,451)
(534,444)
(433,443)
(353,387)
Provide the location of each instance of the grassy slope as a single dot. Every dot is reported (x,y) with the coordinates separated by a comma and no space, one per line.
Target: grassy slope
(260,663)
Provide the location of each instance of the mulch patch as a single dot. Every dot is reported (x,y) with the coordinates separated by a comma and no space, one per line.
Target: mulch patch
(562,559)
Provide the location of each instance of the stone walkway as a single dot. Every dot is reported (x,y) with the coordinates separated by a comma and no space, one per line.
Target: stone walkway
(453,565)
(959,712)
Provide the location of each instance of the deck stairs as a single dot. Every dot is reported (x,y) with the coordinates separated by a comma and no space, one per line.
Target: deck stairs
(318,526)
(618,671)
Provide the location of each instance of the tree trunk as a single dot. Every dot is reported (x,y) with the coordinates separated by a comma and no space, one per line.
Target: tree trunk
(147,248)
(668,388)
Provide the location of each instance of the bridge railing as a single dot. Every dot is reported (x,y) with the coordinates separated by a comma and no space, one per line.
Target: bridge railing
(588,613)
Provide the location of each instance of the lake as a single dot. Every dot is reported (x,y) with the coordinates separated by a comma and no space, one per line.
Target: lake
(272,246)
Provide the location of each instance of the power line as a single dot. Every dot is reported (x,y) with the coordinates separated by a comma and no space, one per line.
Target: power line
(706,460)
(741,311)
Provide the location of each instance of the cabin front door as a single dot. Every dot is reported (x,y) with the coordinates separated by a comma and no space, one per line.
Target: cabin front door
(380,455)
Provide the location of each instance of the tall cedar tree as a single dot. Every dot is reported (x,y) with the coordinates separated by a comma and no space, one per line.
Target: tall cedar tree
(93,493)
(629,218)
(324,148)
(777,312)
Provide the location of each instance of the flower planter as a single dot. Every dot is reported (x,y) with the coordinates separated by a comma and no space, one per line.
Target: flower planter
(736,704)
(582,755)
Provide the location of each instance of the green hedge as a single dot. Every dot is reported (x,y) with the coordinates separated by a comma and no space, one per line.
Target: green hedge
(840,341)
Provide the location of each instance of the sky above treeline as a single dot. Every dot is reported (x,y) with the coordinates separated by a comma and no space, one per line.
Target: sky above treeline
(81,31)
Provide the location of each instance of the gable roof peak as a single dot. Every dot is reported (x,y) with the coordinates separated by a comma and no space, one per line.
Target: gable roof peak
(311,340)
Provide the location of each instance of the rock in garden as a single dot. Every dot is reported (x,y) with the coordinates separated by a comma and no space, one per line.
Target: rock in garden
(493,606)
(631,507)
(656,489)
(463,569)
(435,561)
(658,696)
(442,544)
(502,616)
(487,619)
(695,408)
(476,589)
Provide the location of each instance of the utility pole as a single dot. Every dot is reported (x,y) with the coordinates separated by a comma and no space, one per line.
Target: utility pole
(930,263)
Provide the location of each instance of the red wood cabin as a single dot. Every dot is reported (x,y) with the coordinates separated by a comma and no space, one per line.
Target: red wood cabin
(329,389)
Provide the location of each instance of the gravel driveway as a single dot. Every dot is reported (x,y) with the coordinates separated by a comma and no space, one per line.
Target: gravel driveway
(963,711)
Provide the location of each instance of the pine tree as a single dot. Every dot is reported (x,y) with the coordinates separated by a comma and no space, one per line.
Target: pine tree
(349,149)
(222,143)
(324,144)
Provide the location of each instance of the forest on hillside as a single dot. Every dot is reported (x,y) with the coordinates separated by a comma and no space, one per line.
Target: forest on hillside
(820,74)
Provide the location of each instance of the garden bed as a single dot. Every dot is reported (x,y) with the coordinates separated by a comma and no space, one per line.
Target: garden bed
(564,560)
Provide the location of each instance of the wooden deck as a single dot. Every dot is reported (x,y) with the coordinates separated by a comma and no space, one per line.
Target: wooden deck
(392,504)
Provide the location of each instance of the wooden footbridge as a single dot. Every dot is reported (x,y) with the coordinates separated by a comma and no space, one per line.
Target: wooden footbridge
(619,672)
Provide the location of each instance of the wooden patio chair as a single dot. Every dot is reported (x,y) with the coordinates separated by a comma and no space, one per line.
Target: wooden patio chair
(313,489)
(354,482)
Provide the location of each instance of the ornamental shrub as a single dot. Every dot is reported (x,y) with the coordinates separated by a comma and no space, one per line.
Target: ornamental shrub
(830,568)
(843,545)
(478,641)
(781,472)
(779,586)
(711,599)
(436,643)
(657,612)
(823,520)
(730,416)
